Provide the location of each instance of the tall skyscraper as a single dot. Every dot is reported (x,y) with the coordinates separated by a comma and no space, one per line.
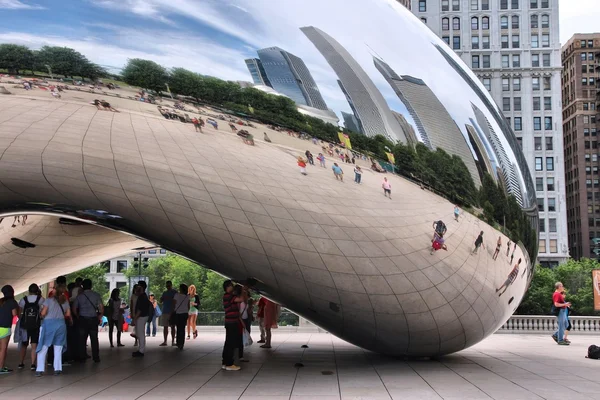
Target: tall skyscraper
(434,120)
(513,47)
(350,122)
(405,3)
(289,75)
(367,102)
(257,71)
(409,131)
(580,95)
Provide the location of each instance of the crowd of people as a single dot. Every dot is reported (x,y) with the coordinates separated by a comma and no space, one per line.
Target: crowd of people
(57,328)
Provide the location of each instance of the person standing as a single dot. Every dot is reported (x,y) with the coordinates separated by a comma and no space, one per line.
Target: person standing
(114,312)
(89,310)
(53,332)
(241,292)
(337,172)
(387,188)
(512,256)
(478,243)
(271,317)
(132,305)
(196,123)
(508,247)
(9,308)
(260,316)
(152,321)
(302,165)
(321,159)
(232,328)
(193,314)
(30,308)
(498,247)
(456,212)
(167,309)
(357,174)
(140,315)
(561,306)
(512,276)
(182,307)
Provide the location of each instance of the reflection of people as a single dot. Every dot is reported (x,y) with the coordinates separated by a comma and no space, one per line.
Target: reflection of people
(498,247)
(302,165)
(387,188)
(478,243)
(438,243)
(266,137)
(558,299)
(508,247)
(272,311)
(510,279)
(357,174)
(337,172)
(513,254)
(456,212)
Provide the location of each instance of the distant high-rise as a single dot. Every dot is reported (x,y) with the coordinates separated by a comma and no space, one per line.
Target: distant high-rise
(409,131)
(405,3)
(367,102)
(259,76)
(435,122)
(350,122)
(289,75)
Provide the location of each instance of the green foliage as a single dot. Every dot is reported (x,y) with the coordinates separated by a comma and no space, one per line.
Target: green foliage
(145,74)
(15,58)
(212,292)
(68,62)
(97,274)
(576,276)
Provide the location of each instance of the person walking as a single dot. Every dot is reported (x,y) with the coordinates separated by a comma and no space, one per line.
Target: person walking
(140,315)
(55,313)
(512,276)
(561,311)
(309,157)
(89,310)
(197,125)
(508,247)
(337,172)
(321,159)
(114,313)
(181,302)
(232,329)
(498,247)
(152,321)
(260,316)
(193,314)
(387,188)
(9,308)
(167,309)
(30,308)
(272,311)
(357,174)
(512,256)
(478,243)
(302,165)
(456,212)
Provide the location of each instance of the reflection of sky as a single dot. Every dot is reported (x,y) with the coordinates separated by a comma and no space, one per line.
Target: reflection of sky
(214,37)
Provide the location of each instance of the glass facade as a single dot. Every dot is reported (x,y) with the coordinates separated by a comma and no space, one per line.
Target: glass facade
(257,71)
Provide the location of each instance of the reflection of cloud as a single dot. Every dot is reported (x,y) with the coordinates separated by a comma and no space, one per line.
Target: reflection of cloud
(18,5)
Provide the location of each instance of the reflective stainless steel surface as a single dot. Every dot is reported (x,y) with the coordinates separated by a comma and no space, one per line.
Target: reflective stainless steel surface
(339,254)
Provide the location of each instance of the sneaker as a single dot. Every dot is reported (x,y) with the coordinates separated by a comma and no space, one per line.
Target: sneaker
(223,366)
(137,354)
(232,368)
(567,340)
(39,373)
(563,343)
(56,373)
(555,338)
(21,366)
(33,367)
(5,370)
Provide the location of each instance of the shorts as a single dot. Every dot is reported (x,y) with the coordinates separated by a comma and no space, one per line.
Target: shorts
(387,191)
(32,337)
(164,319)
(5,332)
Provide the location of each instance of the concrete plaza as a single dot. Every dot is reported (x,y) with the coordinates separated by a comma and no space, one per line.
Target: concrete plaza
(503,366)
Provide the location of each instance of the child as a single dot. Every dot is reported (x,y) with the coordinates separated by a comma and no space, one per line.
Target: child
(302,165)
(438,243)
(321,159)
(456,212)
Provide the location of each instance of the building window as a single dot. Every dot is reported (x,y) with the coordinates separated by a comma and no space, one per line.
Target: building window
(535,83)
(517,103)
(533,4)
(486,61)
(551,204)
(485,23)
(505,84)
(546,59)
(504,4)
(553,242)
(445,24)
(422,5)
(474,5)
(537,143)
(535,60)
(545,40)
(445,5)
(515,4)
(475,23)
(540,203)
(584,69)
(504,22)
(515,42)
(506,104)
(552,225)
(474,62)
(547,103)
(456,24)
(487,83)
(537,123)
(518,124)
(591,56)
(539,184)
(536,104)
(446,39)
(456,43)
(590,43)
(583,56)
(485,40)
(549,144)
(504,42)
(542,246)
(517,84)
(485,5)
(505,61)
(424,20)
(455,5)
(121,266)
(516,61)
(550,184)
(545,21)
(547,83)
(515,22)
(548,123)
(475,42)
(163,251)
(152,251)
(535,41)
(542,221)
(583,44)
(534,21)
(539,166)
(549,164)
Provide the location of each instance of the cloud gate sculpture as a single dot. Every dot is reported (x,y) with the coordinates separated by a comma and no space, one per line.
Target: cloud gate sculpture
(96,184)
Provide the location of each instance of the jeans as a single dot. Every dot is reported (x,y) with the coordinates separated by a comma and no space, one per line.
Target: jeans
(88,326)
(232,333)
(153,323)
(72,353)
(180,322)
(562,324)
(41,358)
(357,177)
(141,321)
(112,324)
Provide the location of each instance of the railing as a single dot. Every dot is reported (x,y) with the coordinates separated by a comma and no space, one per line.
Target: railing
(547,323)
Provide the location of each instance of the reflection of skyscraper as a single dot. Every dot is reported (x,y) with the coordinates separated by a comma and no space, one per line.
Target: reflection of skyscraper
(368,104)
(289,75)
(259,76)
(409,131)
(434,120)
(350,122)
(483,160)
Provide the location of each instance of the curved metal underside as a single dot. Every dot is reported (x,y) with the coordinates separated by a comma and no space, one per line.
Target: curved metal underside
(339,254)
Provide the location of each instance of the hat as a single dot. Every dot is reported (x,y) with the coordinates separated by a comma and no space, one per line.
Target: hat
(8,291)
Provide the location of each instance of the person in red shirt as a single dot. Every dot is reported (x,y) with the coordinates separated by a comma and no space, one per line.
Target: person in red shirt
(562,306)
(260,316)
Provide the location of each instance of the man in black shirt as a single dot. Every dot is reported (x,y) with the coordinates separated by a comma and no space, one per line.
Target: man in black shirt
(141,313)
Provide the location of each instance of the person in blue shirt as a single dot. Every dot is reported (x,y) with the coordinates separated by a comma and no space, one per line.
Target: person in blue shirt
(337,172)
(167,308)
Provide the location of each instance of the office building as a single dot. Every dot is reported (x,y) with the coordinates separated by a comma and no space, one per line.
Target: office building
(116,267)
(257,71)
(366,101)
(405,3)
(409,131)
(580,96)
(513,47)
(350,122)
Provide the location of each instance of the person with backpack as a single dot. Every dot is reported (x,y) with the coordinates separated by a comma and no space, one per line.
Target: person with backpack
(144,310)
(53,333)
(9,308)
(560,309)
(30,307)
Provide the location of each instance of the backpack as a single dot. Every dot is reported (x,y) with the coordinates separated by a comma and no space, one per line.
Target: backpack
(594,352)
(30,319)
(440,227)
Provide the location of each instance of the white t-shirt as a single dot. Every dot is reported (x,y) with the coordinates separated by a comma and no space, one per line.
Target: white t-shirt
(31,298)
(244,310)
(182,305)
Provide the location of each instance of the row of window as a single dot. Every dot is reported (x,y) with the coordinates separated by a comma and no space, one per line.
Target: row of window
(537,142)
(537,104)
(485,22)
(535,83)
(587,56)
(539,166)
(539,184)
(484,5)
(551,224)
(553,246)
(505,44)
(590,131)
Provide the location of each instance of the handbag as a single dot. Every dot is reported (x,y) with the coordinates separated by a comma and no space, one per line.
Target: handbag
(247,339)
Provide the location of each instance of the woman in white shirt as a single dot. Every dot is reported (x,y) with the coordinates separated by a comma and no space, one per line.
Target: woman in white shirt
(182,308)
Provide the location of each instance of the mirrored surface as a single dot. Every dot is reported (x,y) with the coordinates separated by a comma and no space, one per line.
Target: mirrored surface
(376,270)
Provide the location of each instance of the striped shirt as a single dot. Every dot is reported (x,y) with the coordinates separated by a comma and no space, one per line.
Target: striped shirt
(232,309)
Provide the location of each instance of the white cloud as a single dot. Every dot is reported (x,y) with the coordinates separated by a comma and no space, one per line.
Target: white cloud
(18,5)
(578,16)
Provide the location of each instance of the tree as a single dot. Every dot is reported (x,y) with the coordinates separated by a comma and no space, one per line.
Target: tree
(145,74)
(15,58)
(63,61)
(212,292)
(97,274)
